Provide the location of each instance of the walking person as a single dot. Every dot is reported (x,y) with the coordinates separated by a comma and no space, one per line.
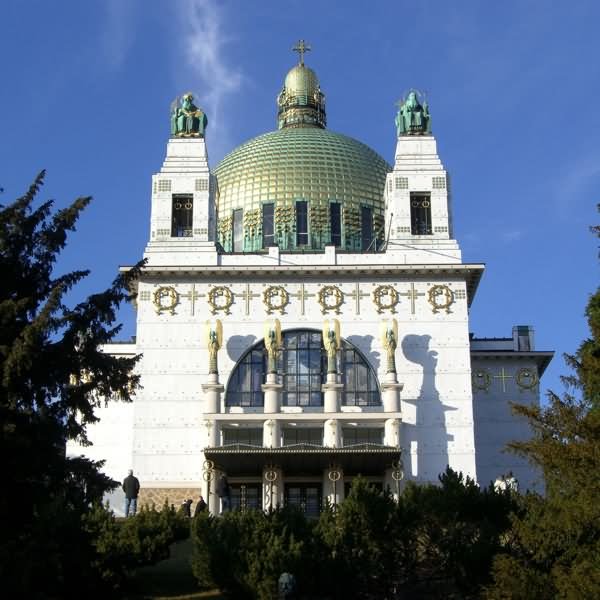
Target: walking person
(131,487)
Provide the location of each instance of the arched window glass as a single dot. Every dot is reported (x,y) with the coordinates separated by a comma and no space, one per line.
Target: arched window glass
(302,364)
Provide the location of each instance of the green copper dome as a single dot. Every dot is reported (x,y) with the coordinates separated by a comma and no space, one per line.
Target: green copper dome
(301,187)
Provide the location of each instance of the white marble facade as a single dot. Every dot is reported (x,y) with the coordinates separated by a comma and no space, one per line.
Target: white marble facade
(455,391)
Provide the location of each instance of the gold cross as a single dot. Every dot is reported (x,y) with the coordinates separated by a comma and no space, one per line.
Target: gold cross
(193,296)
(247,296)
(357,295)
(412,295)
(301,47)
(503,376)
(302,295)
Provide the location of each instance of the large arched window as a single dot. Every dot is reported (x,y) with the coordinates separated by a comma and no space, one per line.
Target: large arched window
(302,363)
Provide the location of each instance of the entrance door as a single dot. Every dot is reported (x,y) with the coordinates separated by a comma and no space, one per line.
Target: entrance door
(305,496)
(246,496)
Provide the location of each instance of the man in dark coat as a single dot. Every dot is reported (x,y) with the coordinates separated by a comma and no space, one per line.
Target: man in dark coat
(131,487)
(200,506)
(224,492)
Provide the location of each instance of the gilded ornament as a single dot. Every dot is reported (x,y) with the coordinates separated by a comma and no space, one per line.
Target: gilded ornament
(276,297)
(220,299)
(526,379)
(165,299)
(330,297)
(385,298)
(440,297)
(481,380)
(331,342)
(214,341)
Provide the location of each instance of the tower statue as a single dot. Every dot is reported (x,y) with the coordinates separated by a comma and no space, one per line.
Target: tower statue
(272,343)
(214,340)
(389,340)
(331,341)
(413,118)
(187,119)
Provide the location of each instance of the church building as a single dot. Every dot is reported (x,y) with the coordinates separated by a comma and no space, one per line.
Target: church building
(303,318)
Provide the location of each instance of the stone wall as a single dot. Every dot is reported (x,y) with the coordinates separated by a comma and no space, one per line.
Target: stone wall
(175,496)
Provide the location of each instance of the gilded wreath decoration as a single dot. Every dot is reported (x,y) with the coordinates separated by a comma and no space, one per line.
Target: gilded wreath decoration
(276,297)
(220,298)
(165,299)
(440,297)
(481,380)
(385,298)
(330,297)
(526,379)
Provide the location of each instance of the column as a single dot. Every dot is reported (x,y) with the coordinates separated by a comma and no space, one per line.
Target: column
(212,394)
(391,393)
(272,391)
(213,433)
(272,485)
(333,485)
(392,433)
(332,391)
(271,433)
(332,433)
(209,480)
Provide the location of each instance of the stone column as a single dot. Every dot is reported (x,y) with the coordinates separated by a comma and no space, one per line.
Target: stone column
(391,393)
(332,433)
(213,433)
(271,433)
(272,485)
(209,480)
(212,394)
(272,391)
(392,433)
(332,391)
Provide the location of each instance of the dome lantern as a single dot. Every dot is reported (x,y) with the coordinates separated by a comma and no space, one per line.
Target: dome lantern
(301,102)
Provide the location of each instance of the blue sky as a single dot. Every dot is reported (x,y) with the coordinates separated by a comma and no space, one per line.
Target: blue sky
(513,88)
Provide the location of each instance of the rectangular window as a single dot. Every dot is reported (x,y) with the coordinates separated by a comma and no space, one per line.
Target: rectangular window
(182,215)
(238,230)
(366,228)
(302,435)
(249,437)
(301,223)
(268,225)
(335,219)
(362,435)
(420,213)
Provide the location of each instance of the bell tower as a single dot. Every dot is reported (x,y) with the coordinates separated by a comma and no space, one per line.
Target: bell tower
(182,223)
(417,197)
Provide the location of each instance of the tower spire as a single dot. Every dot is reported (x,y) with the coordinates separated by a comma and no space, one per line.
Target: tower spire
(301,48)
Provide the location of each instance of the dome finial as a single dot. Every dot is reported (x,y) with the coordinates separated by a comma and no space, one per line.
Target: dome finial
(301,47)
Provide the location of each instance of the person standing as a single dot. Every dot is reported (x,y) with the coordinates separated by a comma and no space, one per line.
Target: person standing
(224,492)
(131,487)
(200,506)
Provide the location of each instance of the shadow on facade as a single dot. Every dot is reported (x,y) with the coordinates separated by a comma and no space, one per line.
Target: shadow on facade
(429,432)
(237,345)
(365,343)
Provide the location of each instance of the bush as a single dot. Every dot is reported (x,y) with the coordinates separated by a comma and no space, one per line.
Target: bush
(121,546)
(244,553)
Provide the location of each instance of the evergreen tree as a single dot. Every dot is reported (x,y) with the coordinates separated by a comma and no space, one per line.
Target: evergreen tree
(52,376)
(554,545)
